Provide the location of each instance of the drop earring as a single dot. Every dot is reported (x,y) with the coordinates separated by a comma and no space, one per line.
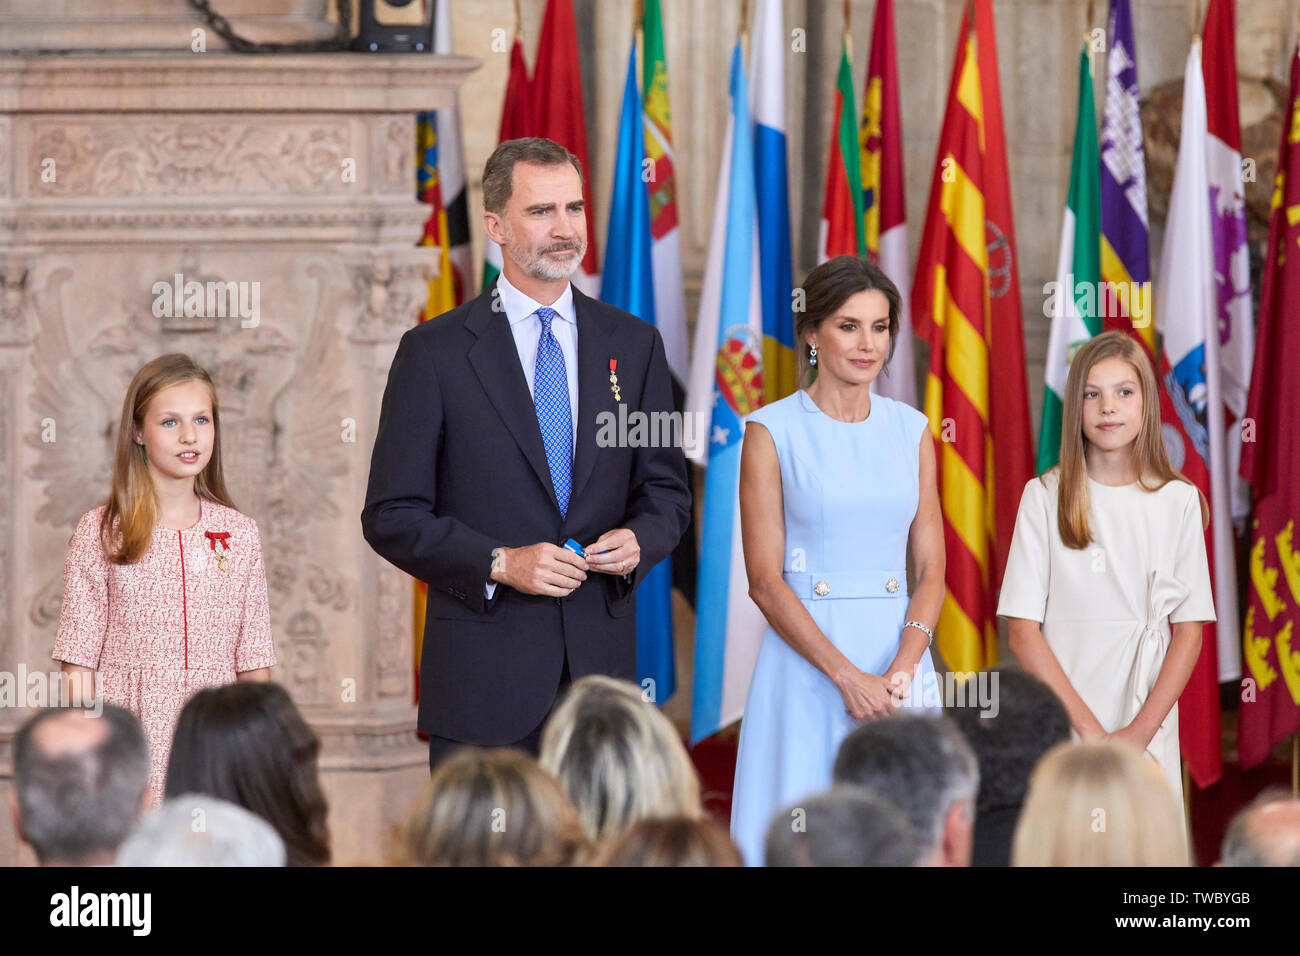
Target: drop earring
(812,356)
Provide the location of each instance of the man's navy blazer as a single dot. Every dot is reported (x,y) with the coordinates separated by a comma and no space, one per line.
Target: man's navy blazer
(459,468)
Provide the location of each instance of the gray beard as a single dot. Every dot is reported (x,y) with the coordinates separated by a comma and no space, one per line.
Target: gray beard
(539,267)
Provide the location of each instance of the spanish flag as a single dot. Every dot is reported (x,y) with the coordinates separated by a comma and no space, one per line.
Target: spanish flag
(965,302)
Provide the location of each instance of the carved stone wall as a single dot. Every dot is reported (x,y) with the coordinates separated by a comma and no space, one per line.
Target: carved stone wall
(292,180)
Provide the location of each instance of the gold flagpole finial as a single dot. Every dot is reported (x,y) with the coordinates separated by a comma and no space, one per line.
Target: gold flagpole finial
(519,21)
(743,33)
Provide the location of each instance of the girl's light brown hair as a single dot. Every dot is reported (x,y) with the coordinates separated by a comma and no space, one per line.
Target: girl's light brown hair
(671,841)
(492,808)
(1149,457)
(132,510)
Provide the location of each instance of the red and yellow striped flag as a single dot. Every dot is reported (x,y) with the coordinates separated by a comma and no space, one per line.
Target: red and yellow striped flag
(950,308)
(445,293)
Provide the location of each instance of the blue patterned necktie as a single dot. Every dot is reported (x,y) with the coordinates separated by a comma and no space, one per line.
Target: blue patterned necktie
(551,397)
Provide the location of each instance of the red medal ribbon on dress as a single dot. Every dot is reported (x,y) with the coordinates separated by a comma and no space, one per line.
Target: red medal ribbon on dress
(219,550)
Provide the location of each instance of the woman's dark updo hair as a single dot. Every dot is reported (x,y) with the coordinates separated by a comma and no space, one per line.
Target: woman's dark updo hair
(828,287)
(247,743)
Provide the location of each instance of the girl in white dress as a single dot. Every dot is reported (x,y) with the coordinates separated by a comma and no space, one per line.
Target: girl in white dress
(1107,582)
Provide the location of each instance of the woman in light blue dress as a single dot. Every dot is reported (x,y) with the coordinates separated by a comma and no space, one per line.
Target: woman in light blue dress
(834,481)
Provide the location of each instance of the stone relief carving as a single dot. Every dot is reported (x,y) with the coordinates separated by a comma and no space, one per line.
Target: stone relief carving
(74,407)
(391,295)
(350,222)
(305,658)
(396,156)
(118,157)
(47,603)
(5,135)
(393,663)
(6,522)
(14,275)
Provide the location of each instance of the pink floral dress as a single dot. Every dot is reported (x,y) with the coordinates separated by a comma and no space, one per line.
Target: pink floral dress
(172,623)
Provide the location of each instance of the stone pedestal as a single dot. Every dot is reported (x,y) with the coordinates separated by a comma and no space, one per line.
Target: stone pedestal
(293,178)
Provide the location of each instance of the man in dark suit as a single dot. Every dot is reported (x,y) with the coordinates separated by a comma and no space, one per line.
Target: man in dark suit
(487,459)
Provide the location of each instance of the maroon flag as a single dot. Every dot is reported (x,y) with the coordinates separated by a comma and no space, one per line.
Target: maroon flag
(1270,686)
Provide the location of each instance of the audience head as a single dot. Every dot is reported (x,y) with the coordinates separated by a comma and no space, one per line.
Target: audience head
(198,830)
(1265,833)
(80,783)
(922,765)
(618,758)
(492,808)
(1099,803)
(1029,721)
(845,826)
(247,743)
(672,841)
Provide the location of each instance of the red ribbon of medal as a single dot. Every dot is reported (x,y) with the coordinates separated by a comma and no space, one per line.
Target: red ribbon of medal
(613,379)
(217,542)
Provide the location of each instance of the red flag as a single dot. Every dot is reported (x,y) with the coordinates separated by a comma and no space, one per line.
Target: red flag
(1013,452)
(560,115)
(1270,705)
(517,117)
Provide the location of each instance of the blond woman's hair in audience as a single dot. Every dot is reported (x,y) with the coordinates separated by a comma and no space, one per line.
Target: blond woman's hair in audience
(671,841)
(1099,803)
(492,808)
(618,758)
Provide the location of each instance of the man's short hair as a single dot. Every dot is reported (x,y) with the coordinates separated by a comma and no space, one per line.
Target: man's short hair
(499,173)
(845,826)
(80,803)
(1241,843)
(197,830)
(919,762)
(1030,721)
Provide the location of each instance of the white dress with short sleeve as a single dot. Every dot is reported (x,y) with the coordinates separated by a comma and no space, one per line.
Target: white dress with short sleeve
(1106,610)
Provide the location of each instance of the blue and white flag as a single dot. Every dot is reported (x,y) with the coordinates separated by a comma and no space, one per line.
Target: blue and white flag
(628,283)
(726,384)
(767,98)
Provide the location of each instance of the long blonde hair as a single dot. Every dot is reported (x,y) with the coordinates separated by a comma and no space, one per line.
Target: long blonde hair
(1149,456)
(132,509)
(1099,803)
(619,759)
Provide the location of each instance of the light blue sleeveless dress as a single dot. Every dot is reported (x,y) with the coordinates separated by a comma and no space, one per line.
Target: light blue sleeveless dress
(850,492)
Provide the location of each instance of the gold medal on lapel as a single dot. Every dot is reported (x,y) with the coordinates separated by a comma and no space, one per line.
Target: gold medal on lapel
(613,379)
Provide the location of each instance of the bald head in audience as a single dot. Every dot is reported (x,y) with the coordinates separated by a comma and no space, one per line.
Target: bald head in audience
(1265,833)
(81,781)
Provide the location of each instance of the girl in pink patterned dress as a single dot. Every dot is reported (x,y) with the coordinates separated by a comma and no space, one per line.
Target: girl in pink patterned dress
(164,590)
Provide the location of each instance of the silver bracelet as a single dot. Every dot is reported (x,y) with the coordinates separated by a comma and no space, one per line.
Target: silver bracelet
(921,627)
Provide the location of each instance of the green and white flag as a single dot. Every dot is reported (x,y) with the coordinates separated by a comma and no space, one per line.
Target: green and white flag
(1076,312)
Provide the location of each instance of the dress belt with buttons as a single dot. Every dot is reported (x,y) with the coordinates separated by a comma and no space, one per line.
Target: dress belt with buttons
(848,584)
